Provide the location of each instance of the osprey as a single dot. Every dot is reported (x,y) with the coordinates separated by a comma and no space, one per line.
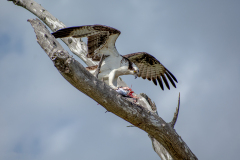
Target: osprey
(101,47)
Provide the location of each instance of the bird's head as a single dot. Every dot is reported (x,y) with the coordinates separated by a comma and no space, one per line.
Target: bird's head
(136,71)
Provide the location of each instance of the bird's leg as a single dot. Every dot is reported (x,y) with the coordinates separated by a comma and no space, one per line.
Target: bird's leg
(99,65)
(111,79)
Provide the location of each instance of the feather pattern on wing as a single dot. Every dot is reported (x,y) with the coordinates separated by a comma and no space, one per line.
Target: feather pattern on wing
(98,38)
(152,69)
(144,72)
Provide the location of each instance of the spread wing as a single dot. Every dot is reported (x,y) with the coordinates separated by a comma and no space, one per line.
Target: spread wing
(99,36)
(150,68)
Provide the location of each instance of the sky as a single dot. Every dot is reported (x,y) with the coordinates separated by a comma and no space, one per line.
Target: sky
(43,117)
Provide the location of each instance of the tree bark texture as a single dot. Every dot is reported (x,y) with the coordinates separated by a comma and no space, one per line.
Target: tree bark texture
(142,115)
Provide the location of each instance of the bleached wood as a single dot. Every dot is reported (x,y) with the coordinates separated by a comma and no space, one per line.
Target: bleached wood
(174,120)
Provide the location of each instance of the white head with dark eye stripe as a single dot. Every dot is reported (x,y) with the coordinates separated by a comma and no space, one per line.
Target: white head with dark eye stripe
(136,71)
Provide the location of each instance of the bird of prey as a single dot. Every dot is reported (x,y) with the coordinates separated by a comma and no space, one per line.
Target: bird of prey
(101,47)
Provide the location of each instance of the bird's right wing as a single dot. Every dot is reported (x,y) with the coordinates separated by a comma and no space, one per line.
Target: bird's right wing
(150,68)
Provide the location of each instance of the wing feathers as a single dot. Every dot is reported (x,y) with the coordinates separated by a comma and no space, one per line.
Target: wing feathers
(96,42)
(172,76)
(152,69)
(149,73)
(154,80)
(165,81)
(144,72)
(77,32)
(160,82)
(98,37)
(170,79)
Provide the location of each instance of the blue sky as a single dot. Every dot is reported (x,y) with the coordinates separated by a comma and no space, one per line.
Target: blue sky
(43,117)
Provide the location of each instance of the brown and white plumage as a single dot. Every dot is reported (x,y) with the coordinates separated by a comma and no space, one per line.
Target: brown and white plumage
(152,69)
(99,37)
(101,41)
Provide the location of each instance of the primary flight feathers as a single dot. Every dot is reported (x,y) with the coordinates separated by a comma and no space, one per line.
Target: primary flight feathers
(101,41)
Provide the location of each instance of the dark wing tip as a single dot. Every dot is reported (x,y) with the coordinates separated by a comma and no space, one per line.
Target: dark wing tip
(65,32)
(170,79)
(154,81)
(160,82)
(60,34)
(55,35)
(165,81)
(173,77)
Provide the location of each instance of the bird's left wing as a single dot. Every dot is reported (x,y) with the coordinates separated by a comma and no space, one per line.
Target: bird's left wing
(150,68)
(98,37)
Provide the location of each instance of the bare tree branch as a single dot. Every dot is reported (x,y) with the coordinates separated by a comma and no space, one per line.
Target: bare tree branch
(174,120)
(141,115)
(160,150)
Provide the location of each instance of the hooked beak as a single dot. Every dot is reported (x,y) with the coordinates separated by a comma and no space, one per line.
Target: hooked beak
(135,74)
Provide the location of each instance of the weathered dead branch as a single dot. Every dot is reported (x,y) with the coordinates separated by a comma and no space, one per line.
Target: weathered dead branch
(174,120)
